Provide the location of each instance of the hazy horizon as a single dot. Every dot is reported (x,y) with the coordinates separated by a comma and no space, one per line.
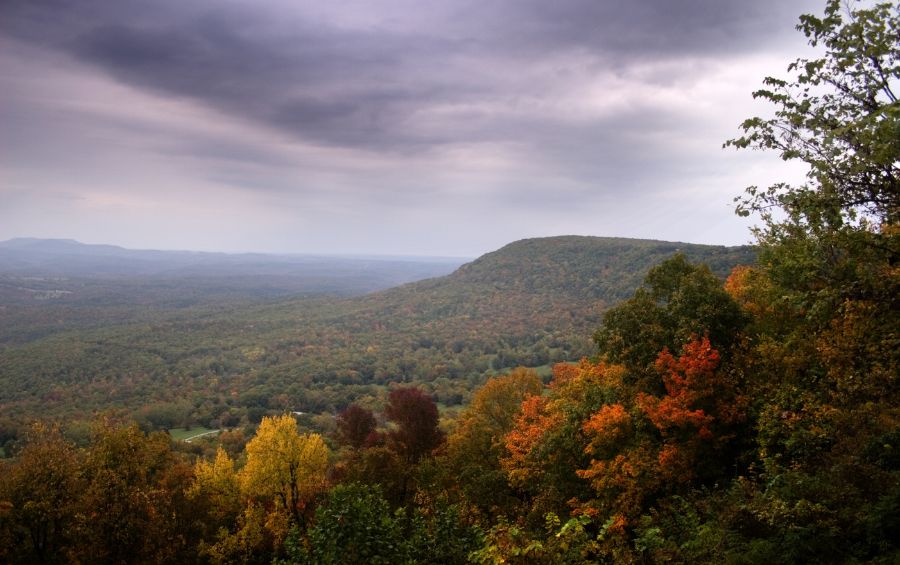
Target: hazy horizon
(336,255)
(383,128)
(283,254)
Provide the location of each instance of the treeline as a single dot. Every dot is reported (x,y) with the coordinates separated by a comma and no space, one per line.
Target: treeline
(132,497)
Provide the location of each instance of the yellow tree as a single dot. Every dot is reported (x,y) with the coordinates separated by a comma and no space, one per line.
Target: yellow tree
(283,466)
(216,488)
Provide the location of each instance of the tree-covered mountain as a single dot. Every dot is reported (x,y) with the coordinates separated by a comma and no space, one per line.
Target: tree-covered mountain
(534,302)
(605,268)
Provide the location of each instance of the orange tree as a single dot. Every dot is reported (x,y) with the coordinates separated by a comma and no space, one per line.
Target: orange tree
(474,449)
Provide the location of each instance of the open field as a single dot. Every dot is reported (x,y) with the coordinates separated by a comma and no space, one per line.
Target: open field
(187,434)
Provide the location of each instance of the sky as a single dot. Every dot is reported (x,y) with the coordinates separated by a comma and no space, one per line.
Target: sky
(439,127)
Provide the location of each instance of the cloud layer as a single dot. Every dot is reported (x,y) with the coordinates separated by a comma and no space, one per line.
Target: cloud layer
(447,127)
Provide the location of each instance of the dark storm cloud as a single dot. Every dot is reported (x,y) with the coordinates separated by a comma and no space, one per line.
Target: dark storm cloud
(372,86)
(655,28)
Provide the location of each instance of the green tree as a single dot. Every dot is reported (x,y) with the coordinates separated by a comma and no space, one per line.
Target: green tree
(839,115)
(353,525)
(823,365)
(678,302)
(834,237)
(438,533)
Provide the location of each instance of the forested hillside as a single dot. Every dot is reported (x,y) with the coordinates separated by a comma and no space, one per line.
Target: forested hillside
(532,303)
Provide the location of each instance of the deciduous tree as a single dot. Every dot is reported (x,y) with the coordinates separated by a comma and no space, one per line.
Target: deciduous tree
(128,505)
(416,419)
(476,446)
(284,467)
(356,426)
(38,495)
(677,302)
(216,490)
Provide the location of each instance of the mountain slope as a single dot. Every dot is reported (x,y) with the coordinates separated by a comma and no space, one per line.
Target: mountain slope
(601,267)
(533,302)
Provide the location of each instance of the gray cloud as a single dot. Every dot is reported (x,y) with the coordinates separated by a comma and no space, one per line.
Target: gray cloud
(368,87)
(423,111)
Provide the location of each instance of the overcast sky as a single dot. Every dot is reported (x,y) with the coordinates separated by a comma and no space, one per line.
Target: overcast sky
(435,127)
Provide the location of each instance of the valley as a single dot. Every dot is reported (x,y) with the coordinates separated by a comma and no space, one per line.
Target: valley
(179,355)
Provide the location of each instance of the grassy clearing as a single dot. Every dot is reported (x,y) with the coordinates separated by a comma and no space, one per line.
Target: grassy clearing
(184,434)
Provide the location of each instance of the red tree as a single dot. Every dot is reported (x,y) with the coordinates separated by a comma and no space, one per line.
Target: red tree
(416,418)
(355,426)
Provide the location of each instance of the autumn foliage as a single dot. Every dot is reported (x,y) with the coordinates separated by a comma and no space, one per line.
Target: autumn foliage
(356,426)
(416,419)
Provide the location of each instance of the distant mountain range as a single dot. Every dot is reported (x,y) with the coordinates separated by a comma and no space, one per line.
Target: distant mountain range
(36,252)
(248,274)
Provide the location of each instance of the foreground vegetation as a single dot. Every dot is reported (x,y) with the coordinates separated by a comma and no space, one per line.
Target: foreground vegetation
(751,422)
